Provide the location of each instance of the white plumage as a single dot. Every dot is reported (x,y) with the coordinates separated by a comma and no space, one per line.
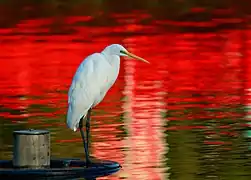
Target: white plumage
(93,78)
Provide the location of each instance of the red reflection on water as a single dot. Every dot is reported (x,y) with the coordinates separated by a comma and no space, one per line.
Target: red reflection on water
(40,69)
(187,71)
(145,143)
(144,92)
(77,19)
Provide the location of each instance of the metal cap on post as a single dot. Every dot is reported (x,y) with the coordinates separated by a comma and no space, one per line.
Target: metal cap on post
(31,149)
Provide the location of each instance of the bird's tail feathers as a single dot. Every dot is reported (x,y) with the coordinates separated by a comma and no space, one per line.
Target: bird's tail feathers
(73,119)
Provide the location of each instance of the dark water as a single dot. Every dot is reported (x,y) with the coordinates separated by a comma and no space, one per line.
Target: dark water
(184,116)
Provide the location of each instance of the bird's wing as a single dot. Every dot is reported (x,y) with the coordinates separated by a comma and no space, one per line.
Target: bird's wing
(85,87)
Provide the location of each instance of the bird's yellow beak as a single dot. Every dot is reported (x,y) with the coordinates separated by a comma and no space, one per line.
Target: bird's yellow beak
(136,57)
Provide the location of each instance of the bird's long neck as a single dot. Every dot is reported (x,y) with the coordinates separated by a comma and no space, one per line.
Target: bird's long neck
(114,60)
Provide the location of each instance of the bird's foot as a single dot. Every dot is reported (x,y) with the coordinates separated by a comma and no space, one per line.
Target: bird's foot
(89,163)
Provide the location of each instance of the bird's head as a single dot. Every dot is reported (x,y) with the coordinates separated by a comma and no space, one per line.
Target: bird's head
(119,50)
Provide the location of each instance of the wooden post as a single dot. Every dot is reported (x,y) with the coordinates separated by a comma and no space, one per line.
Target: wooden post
(31,149)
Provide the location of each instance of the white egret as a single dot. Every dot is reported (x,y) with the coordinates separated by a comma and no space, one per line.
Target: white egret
(93,78)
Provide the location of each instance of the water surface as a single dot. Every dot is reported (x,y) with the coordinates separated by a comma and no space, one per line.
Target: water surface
(181,117)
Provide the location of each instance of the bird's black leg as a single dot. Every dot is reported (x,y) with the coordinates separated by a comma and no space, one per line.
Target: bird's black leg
(83,138)
(88,132)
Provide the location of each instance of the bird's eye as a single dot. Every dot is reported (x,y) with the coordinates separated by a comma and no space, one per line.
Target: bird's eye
(122,52)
